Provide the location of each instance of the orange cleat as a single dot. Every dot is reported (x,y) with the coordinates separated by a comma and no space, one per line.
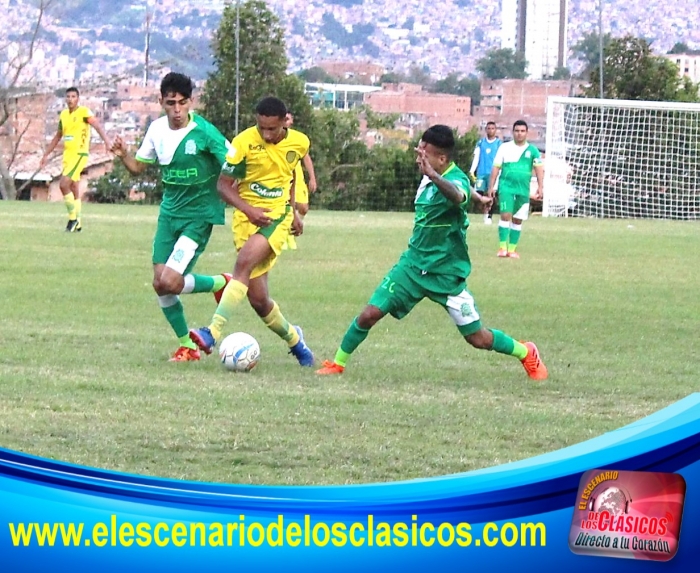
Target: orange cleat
(330,368)
(502,253)
(513,255)
(220,292)
(184,354)
(533,364)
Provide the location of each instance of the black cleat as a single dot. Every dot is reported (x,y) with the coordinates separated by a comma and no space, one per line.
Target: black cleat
(72,226)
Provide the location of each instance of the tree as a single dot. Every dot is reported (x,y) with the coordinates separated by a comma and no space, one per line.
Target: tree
(18,45)
(262,69)
(682,48)
(453,84)
(316,74)
(561,73)
(503,63)
(587,51)
(632,71)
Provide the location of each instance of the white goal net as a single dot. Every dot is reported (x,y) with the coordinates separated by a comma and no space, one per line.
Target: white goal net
(626,159)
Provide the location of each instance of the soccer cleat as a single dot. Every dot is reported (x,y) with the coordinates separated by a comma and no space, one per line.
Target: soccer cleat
(219,293)
(487,220)
(513,255)
(533,364)
(78,227)
(302,352)
(203,338)
(72,226)
(185,354)
(502,253)
(330,368)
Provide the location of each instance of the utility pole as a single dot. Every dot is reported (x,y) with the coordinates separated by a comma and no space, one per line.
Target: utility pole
(238,61)
(601,48)
(147,46)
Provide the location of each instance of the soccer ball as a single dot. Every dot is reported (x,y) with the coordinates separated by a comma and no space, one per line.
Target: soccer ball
(239,352)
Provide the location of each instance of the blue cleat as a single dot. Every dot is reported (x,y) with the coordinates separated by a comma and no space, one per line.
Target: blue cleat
(203,338)
(300,351)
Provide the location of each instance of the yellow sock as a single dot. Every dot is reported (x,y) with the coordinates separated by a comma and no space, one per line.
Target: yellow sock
(234,293)
(280,326)
(292,242)
(69,200)
(78,208)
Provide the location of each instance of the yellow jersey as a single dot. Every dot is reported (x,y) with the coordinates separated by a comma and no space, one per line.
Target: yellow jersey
(264,170)
(75,129)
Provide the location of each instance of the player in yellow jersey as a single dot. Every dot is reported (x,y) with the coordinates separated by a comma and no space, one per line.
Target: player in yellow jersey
(74,127)
(301,189)
(257,179)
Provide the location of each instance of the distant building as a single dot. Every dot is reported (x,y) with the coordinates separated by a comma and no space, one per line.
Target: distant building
(364,73)
(338,96)
(505,101)
(418,108)
(688,65)
(538,29)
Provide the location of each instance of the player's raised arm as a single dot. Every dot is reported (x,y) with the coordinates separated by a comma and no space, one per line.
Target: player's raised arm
(453,193)
(132,165)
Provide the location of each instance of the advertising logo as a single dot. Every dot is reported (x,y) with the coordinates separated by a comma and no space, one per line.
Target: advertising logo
(632,515)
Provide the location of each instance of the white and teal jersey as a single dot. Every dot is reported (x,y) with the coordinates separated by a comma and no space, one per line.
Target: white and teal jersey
(516,163)
(439,241)
(190,160)
(487,155)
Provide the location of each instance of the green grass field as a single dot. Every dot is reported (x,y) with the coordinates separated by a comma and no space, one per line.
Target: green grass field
(84,377)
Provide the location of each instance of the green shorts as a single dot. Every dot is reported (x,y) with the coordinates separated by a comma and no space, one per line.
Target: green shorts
(405,286)
(178,243)
(510,203)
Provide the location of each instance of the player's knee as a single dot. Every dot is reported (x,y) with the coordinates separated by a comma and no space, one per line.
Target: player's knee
(302,209)
(481,339)
(164,285)
(370,316)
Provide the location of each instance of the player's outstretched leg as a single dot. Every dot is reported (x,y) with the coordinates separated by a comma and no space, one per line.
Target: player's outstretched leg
(354,336)
(526,352)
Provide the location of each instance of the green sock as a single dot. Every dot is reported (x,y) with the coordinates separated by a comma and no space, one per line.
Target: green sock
(504,344)
(352,339)
(203,283)
(514,237)
(503,231)
(175,315)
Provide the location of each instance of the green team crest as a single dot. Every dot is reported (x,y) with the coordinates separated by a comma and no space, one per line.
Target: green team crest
(291,156)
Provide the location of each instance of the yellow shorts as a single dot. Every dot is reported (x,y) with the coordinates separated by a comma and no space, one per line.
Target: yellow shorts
(276,234)
(73,165)
(301,194)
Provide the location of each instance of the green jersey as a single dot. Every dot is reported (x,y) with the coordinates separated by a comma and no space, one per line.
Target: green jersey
(516,163)
(190,160)
(439,241)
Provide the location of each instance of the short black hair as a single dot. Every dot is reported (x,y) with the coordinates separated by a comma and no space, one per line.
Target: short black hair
(73,89)
(176,83)
(271,107)
(440,136)
(490,123)
(520,122)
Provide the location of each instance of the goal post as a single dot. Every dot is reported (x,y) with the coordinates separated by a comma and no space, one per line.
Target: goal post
(622,159)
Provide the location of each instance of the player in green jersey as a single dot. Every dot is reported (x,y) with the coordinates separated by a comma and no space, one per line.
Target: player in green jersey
(190,152)
(514,162)
(436,263)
